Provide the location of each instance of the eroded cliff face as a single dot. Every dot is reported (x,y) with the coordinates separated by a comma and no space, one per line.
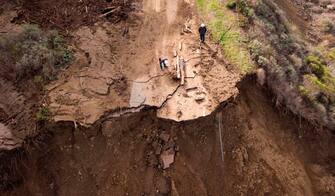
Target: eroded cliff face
(265,151)
(116,113)
(115,71)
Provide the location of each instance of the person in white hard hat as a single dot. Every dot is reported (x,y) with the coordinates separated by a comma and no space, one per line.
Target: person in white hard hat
(202,32)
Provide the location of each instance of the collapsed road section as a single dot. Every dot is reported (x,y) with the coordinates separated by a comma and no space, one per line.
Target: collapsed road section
(117,70)
(246,147)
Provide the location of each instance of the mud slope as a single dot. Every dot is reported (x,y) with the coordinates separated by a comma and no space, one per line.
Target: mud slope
(117,67)
(265,153)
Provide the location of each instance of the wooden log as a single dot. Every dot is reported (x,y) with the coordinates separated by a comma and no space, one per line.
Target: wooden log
(180,46)
(110,12)
(187,29)
(182,71)
(178,68)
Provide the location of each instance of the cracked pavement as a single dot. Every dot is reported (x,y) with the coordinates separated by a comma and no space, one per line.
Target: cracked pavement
(114,75)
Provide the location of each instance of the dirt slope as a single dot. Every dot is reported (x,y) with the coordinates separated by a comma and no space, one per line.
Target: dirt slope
(265,153)
(117,68)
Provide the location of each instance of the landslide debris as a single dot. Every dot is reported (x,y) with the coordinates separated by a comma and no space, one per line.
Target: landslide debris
(266,152)
(67,15)
(29,59)
(114,72)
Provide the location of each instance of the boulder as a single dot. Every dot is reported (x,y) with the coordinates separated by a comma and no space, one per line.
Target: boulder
(167,158)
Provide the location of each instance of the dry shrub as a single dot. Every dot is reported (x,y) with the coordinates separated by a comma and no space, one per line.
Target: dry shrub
(32,52)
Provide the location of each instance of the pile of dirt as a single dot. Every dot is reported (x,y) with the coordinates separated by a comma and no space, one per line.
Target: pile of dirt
(163,149)
(69,15)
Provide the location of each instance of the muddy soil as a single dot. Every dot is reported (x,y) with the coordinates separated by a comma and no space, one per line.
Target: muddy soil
(20,100)
(69,15)
(117,68)
(266,152)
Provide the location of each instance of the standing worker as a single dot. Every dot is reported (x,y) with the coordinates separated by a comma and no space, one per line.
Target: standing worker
(202,32)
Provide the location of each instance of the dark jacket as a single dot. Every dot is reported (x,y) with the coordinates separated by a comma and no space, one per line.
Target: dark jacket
(202,30)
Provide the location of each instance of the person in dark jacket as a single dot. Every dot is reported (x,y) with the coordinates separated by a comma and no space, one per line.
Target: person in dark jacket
(162,63)
(202,32)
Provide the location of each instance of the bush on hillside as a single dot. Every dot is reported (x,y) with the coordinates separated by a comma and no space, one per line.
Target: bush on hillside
(32,52)
(327,26)
(331,54)
(43,114)
(231,4)
(241,6)
(317,66)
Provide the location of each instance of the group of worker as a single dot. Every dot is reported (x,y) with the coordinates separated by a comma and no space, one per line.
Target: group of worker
(163,62)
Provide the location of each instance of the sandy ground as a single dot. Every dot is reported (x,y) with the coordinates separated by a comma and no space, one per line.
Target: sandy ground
(117,68)
(266,152)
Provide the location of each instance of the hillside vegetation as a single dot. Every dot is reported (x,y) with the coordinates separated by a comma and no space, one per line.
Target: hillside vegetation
(256,33)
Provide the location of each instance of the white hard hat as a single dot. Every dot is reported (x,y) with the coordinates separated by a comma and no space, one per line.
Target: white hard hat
(202,25)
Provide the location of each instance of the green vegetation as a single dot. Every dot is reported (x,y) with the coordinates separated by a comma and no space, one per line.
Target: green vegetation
(43,114)
(303,91)
(231,4)
(307,94)
(241,6)
(326,85)
(320,82)
(331,54)
(224,26)
(255,48)
(317,65)
(33,52)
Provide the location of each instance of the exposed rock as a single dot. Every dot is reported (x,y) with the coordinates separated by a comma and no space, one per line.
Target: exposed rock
(199,97)
(169,145)
(261,77)
(7,140)
(18,111)
(158,150)
(164,136)
(167,158)
(331,7)
(157,147)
